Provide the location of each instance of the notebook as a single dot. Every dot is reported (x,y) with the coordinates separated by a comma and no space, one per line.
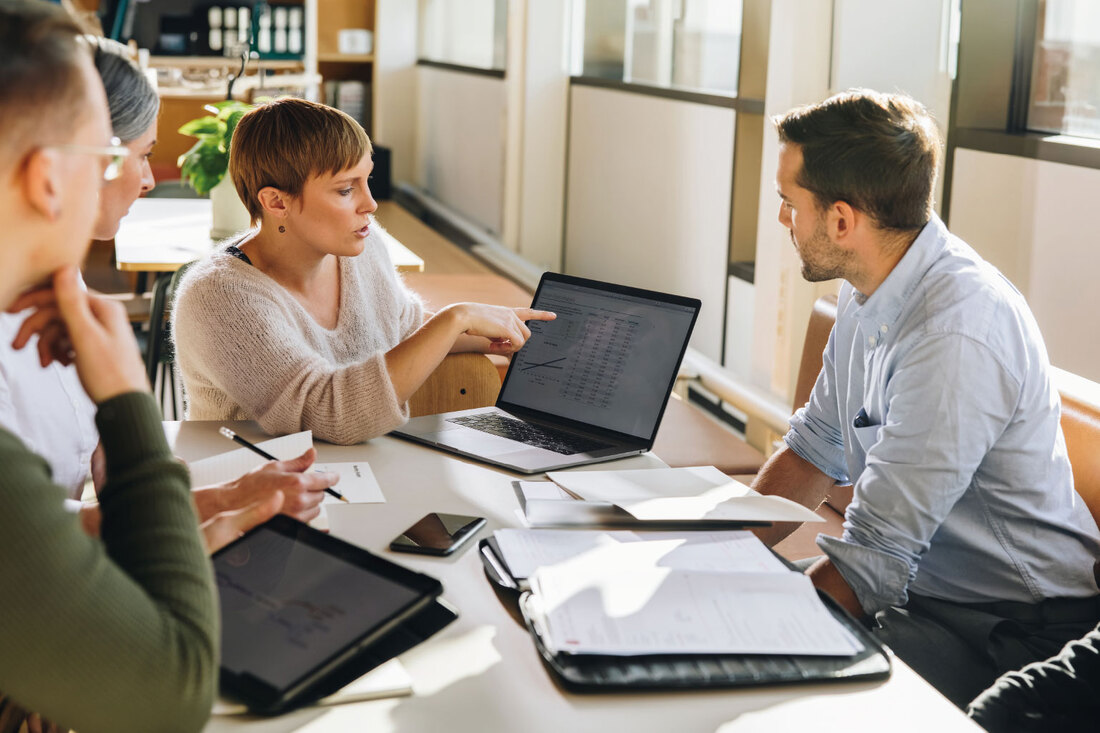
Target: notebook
(590,386)
(547,504)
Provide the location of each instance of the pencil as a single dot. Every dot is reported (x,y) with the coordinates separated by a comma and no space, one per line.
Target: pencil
(264,454)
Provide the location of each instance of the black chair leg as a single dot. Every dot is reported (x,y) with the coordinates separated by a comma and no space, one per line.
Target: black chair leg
(171,374)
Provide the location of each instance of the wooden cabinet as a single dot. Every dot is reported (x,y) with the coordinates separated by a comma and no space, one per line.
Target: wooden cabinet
(324,19)
(335,67)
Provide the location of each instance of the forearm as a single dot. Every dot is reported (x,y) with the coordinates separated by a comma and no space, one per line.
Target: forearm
(826,577)
(1059,691)
(150,531)
(788,475)
(412,361)
(90,620)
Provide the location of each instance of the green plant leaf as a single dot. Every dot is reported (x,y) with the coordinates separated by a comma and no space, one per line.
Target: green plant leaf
(231,123)
(200,126)
(204,165)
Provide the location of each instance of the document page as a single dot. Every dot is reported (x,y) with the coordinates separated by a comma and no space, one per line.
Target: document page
(357,481)
(544,503)
(681,494)
(667,611)
(526,550)
(239,461)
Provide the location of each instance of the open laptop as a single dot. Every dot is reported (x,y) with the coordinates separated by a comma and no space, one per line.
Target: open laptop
(587,387)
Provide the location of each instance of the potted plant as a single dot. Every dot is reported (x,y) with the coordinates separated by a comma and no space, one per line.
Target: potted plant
(204,167)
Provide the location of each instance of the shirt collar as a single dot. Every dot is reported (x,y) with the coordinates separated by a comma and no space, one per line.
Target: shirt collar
(884,306)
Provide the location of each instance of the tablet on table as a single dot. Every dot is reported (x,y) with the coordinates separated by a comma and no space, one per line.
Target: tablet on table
(298,606)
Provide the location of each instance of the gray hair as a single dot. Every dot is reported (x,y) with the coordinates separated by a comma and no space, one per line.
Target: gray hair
(132,99)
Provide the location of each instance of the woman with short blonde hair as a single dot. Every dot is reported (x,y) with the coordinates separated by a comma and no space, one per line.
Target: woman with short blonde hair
(302,323)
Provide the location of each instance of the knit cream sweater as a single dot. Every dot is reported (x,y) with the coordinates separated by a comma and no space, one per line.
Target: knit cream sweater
(247,350)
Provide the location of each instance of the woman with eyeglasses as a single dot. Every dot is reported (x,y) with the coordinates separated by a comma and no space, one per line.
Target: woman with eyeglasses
(46,406)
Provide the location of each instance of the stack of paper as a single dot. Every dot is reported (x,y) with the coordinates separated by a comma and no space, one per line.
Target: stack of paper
(698,496)
(523,551)
(663,611)
(628,593)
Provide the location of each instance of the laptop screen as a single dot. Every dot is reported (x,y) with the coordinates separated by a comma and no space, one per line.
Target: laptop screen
(609,359)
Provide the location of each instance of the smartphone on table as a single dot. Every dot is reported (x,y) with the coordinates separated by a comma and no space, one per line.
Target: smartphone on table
(438,534)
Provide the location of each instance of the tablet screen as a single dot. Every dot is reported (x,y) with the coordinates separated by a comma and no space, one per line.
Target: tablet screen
(288,607)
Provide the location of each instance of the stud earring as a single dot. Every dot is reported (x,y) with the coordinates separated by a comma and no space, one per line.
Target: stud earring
(282,229)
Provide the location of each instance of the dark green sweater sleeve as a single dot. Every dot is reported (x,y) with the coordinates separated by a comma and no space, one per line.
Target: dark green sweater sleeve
(117,634)
(1061,693)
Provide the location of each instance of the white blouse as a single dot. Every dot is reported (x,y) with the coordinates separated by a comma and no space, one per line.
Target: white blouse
(46,408)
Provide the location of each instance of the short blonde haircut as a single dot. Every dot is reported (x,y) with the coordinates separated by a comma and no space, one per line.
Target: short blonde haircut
(284,143)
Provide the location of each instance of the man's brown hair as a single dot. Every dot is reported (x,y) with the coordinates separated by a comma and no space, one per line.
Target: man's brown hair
(877,152)
(286,142)
(42,92)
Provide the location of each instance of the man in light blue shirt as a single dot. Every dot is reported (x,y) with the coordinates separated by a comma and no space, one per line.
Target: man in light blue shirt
(965,539)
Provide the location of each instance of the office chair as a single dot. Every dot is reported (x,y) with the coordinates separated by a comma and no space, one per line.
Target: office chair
(160,355)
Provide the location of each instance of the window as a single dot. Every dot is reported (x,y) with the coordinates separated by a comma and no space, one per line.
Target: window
(464,32)
(683,44)
(1065,84)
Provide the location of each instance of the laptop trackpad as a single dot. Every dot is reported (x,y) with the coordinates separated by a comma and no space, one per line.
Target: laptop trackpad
(473,441)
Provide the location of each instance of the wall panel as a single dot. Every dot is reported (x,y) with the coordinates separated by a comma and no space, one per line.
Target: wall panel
(648,197)
(460,135)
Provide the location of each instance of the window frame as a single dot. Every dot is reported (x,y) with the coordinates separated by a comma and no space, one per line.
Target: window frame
(991,93)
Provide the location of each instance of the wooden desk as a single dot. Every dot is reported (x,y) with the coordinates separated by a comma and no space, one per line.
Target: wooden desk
(482,672)
(162,234)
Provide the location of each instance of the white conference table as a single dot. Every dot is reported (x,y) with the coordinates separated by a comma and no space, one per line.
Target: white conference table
(163,234)
(482,672)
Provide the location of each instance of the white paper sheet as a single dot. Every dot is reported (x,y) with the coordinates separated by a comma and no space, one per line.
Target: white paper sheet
(665,611)
(681,494)
(545,504)
(237,462)
(526,550)
(357,481)
(388,680)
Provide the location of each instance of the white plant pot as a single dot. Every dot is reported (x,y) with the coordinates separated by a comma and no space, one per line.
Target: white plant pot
(230,215)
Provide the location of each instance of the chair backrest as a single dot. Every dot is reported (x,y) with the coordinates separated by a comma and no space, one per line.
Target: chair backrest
(1081,425)
(460,382)
(821,323)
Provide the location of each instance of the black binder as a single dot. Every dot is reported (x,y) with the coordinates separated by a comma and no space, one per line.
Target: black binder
(606,673)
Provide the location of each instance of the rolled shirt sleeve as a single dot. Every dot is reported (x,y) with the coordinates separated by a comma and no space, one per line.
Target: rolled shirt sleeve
(815,433)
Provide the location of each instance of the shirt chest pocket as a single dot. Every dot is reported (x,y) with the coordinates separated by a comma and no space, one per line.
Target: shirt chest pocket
(866,435)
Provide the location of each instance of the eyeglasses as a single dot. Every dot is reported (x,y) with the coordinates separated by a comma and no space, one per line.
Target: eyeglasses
(115,151)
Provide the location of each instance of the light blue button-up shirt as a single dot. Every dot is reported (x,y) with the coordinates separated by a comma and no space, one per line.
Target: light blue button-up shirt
(935,400)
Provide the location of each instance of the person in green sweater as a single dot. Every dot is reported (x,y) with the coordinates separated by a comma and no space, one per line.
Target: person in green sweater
(121,633)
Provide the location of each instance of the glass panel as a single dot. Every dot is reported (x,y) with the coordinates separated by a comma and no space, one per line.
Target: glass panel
(683,44)
(1065,84)
(464,32)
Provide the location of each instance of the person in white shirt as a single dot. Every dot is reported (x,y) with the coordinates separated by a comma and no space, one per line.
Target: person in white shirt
(47,407)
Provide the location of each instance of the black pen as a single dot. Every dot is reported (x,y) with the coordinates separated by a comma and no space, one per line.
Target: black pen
(264,454)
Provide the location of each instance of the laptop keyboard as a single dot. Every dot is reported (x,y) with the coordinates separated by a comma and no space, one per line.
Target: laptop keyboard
(549,439)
